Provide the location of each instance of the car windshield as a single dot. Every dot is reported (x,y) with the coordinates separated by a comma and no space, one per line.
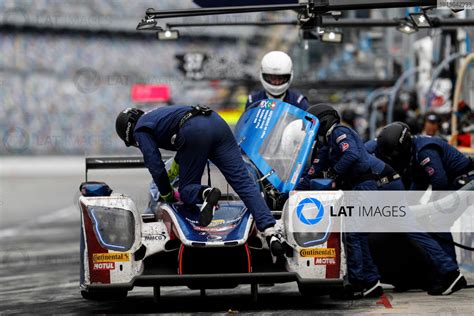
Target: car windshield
(281,147)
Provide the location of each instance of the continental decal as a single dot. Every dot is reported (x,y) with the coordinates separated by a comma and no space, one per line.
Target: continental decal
(318,252)
(111,257)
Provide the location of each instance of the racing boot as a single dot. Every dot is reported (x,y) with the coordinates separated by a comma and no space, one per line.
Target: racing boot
(211,197)
(373,290)
(347,292)
(451,282)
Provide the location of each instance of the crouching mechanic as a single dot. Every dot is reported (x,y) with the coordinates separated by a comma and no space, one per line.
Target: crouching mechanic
(424,161)
(197,134)
(276,75)
(342,154)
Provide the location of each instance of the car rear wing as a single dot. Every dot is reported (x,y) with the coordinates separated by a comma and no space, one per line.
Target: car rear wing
(125,162)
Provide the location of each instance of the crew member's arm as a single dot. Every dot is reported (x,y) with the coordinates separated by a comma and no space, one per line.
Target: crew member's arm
(430,161)
(348,147)
(249,102)
(319,163)
(371,146)
(153,161)
(303,103)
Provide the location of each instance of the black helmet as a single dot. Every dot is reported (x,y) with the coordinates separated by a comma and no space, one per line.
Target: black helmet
(125,124)
(326,115)
(394,144)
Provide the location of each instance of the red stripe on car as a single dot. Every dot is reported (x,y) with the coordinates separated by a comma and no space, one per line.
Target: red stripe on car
(333,270)
(93,247)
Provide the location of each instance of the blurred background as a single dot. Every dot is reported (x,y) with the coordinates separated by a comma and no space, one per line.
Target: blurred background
(68,67)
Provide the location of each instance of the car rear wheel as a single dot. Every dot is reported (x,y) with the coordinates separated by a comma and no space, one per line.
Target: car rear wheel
(109,295)
(310,291)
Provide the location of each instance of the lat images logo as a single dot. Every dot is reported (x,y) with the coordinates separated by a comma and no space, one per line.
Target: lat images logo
(312,203)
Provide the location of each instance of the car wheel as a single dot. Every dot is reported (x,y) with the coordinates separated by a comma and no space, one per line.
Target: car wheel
(310,291)
(111,295)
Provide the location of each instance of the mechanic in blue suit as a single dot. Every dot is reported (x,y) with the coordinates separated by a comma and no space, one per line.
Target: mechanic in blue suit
(343,155)
(197,134)
(276,75)
(428,160)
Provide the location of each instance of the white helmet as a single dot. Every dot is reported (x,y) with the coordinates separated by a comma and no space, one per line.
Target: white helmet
(292,137)
(276,73)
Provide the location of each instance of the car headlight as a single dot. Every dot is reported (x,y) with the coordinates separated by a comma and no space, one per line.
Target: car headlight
(113,227)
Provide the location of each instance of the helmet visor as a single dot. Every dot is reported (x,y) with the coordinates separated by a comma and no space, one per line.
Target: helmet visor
(276,80)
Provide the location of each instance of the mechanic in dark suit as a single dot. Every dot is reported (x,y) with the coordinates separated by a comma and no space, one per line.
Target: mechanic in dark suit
(276,75)
(424,161)
(197,134)
(342,154)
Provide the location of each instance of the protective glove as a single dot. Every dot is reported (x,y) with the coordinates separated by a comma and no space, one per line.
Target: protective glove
(275,242)
(171,197)
(173,172)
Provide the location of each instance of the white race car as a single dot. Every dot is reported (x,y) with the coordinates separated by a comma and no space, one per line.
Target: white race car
(122,248)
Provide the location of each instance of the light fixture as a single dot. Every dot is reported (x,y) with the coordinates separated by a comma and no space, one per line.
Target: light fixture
(331,36)
(167,35)
(406,27)
(421,20)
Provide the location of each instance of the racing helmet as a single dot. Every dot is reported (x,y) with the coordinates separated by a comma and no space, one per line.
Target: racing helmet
(276,73)
(394,144)
(292,136)
(125,124)
(327,117)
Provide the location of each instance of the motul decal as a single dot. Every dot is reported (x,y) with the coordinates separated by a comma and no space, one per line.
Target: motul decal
(325,261)
(104,266)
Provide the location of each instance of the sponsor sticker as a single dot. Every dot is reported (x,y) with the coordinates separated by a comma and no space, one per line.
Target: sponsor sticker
(216,222)
(294,178)
(344,146)
(430,171)
(425,161)
(324,261)
(343,136)
(104,266)
(318,252)
(111,257)
(268,105)
(154,237)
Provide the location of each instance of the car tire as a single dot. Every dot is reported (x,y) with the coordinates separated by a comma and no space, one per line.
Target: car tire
(311,291)
(111,295)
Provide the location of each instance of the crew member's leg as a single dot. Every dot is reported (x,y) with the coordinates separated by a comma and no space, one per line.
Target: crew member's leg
(192,158)
(227,157)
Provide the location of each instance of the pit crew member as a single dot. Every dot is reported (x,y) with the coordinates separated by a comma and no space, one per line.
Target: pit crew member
(197,134)
(276,75)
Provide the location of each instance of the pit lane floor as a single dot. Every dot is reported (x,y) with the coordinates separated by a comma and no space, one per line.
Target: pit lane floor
(39,262)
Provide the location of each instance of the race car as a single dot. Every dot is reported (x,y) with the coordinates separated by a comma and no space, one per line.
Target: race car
(121,247)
